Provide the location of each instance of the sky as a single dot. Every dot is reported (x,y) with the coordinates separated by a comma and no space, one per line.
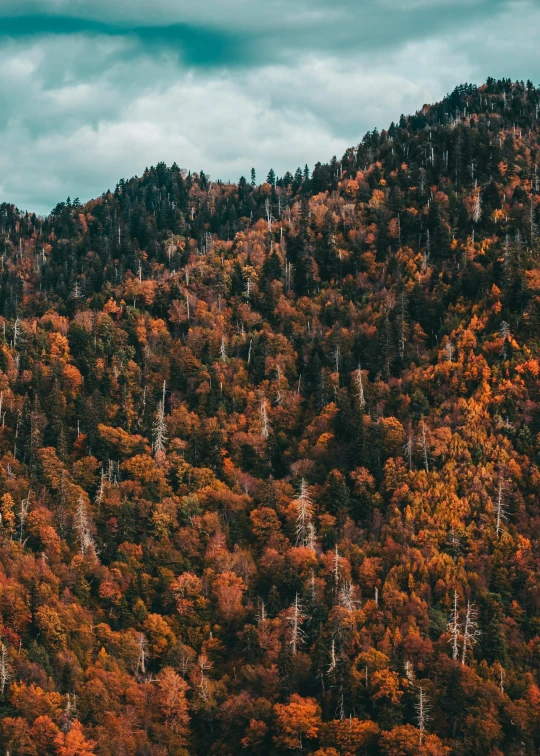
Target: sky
(93,91)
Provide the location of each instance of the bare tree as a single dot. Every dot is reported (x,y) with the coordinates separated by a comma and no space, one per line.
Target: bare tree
(501,514)
(333,661)
(409,671)
(288,275)
(454,628)
(471,633)
(5,670)
(261,614)
(142,644)
(501,678)
(304,516)
(359,387)
(422,712)
(477,208)
(160,429)
(223,349)
(337,358)
(16,331)
(268,213)
(70,712)
(265,425)
(423,444)
(505,333)
(311,536)
(296,618)
(23,512)
(336,566)
(100,491)
(82,526)
(346,596)
(203,685)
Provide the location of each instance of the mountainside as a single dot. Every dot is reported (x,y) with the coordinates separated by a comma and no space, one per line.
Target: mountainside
(269,454)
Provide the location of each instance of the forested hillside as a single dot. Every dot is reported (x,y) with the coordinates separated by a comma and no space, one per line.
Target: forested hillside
(269,454)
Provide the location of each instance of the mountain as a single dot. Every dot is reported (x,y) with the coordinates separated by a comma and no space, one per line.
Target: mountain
(269,453)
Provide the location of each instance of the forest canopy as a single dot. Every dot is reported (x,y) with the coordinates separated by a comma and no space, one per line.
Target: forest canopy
(269,453)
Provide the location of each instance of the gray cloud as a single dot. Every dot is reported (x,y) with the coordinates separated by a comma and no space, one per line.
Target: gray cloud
(249,31)
(83,105)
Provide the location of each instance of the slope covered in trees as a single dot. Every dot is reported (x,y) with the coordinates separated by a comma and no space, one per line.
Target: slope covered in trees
(269,454)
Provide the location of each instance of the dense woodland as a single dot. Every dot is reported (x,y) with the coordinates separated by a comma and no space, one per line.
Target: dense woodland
(270,453)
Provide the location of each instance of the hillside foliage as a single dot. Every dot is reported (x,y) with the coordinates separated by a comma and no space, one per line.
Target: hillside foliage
(269,453)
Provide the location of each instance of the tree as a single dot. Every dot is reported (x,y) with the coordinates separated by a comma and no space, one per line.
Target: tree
(74,743)
(6,674)
(296,722)
(82,526)
(351,735)
(422,712)
(403,741)
(229,589)
(295,620)
(7,513)
(477,208)
(454,628)
(423,444)
(160,429)
(501,512)
(293,420)
(173,703)
(142,645)
(471,633)
(265,427)
(43,734)
(304,513)
(360,388)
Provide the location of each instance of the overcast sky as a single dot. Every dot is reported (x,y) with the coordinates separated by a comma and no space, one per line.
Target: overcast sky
(93,91)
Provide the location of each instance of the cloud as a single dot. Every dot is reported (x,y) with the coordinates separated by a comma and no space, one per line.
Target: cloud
(81,128)
(236,14)
(78,131)
(249,31)
(81,108)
